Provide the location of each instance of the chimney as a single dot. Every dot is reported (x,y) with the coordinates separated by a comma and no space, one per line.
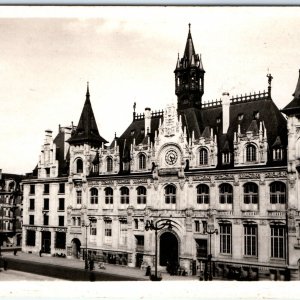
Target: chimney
(48,136)
(147,120)
(225,111)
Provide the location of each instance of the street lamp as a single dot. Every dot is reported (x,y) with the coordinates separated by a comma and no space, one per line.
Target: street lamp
(151,226)
(86,266)
(210,232)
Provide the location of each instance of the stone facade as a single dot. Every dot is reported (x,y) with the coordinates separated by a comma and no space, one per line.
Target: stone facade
(217,167)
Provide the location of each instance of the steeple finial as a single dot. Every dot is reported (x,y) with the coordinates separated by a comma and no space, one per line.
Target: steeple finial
(270,77)
(87,91)
(189,27)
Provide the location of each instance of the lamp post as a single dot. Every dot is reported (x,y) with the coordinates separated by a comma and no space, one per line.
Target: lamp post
(86,265)
(156,227)
(210,232)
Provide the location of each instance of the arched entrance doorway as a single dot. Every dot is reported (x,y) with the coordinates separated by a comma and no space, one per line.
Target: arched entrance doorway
(168,254)
(76,248)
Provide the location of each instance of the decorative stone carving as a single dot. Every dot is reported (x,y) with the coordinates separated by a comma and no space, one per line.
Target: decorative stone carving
(181,183)
(249,175)
(262,179)
(212,181)
(263,222)
(201,178)
(224,177)
(236,180)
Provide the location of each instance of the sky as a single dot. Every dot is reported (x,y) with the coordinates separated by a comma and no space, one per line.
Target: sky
(128,54)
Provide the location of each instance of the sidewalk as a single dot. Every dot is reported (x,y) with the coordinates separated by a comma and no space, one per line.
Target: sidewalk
(134,273)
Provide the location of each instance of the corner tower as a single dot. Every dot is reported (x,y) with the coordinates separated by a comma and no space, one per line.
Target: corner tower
(189,77)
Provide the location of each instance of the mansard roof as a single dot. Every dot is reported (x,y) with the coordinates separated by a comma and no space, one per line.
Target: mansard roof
(246,112)
(294,106)
(87,130)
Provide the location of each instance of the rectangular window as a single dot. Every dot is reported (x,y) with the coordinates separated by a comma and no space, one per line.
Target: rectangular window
(46,204)
(46,188)
(31,204)
(61,189)
(61,221)
(79,196)
(31,219)
(197,226)
(277,242)
(93,230)
(107,231)
(60,240)
(123,232)
(136,224)
(61,204)
(46,220)
(225,238)
(47,172)
(32,189)
(250,240)
(30,238)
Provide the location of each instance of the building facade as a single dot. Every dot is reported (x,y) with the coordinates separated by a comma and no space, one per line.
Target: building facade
(11,210)
(229,165)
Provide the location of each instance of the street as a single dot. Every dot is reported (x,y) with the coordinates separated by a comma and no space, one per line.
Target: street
(12,275)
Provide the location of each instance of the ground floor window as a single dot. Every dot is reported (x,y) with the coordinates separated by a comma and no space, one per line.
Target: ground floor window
(107,231)
(30,238)
(225,238)
(250,240)
(123,232)
(277,242)
(60,240)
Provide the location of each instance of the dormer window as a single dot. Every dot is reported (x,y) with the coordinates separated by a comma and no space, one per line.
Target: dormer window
(250,153)
(277,154)
(226,158)
(203,156)
(142,161)
(109,164)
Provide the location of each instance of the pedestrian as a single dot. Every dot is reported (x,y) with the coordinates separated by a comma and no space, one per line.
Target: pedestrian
(15,252)
(148,271)
(5,264)
(41,253)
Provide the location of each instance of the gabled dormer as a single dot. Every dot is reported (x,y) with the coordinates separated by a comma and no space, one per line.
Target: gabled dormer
(48,164)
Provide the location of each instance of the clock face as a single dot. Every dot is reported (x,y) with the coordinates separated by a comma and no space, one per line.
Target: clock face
(171,157)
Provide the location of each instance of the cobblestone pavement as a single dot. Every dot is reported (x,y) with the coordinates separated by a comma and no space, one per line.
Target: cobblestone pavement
(135,273)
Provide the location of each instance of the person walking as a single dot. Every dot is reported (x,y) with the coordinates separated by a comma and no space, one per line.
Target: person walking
(40,253)
(15,252)
(5,264)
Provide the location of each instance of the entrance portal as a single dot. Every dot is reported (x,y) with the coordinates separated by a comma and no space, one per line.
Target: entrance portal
(76,248)
(46,241)
(168,254)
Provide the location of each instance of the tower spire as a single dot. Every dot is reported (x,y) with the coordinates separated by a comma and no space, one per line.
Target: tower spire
(87,91)
(87,130)
(189,77)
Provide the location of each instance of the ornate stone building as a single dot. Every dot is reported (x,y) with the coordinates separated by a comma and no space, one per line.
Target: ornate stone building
(11,210)
(230,165)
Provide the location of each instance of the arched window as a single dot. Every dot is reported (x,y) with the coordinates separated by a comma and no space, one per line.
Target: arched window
(170,194)
(124,191)
(250,193)
(94,196)
(202,194)
(277,154)
(250,153)
(109,164)
(277,192)
(141,195)
(142,161)
(79,166)
(109,195)
(203,156)
(225,193)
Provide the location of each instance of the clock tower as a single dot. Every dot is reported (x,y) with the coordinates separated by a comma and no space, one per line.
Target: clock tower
(189,77)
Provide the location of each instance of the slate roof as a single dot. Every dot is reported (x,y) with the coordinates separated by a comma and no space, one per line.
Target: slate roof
(243,112)
(294,106)
(87,130)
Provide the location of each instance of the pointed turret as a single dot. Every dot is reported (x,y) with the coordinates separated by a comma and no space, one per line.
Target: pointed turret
(189,47)
(87,130)
(189,77)
(294,106)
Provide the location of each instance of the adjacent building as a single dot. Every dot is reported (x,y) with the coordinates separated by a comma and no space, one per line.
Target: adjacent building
(229,165)
(11,210)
